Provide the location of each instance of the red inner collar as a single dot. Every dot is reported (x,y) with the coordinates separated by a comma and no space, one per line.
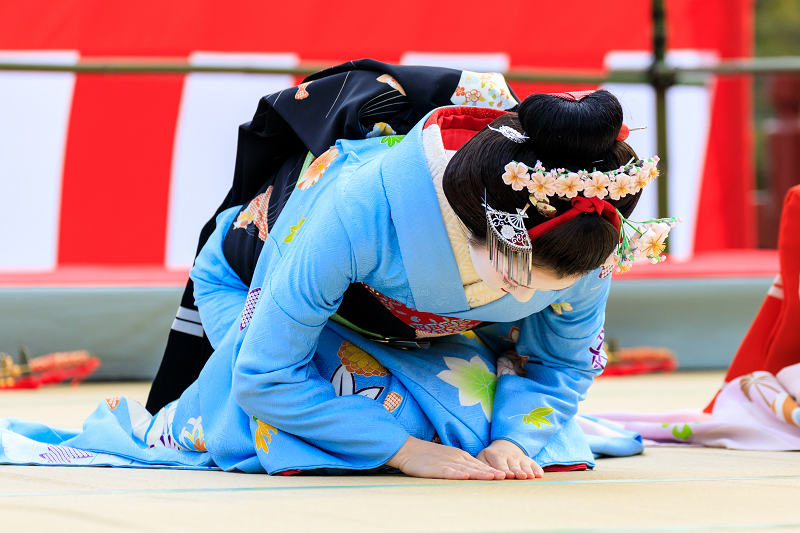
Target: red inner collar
(460,124)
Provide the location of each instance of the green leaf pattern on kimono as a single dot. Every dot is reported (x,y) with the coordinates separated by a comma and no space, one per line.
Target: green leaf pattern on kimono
(391,140)
(474,381)
(293,230)
(537,417)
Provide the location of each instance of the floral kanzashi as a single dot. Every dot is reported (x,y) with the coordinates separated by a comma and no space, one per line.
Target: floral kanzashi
(625,180)
(360,362)
(516,175)
(596,186)
(194,440)
(650,168)
(264,433)
(316,170)
(474,381)
(569,185)
(559,308)
(647,241)
(650,240)
(620,187)
(542,184)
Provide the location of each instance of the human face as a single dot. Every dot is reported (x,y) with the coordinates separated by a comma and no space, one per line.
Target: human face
(498,280)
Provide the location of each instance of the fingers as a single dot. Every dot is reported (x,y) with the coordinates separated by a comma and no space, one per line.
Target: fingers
(513,466)
(503,463)
(519,472)
(457,470)
(485,470)
(528,469)
(451,473)
(445,462)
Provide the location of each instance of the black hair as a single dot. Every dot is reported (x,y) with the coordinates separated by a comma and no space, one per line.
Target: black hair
(561,134)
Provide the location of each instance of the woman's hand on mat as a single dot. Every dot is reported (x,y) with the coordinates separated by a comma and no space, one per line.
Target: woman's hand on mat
(421,458)
(507,457)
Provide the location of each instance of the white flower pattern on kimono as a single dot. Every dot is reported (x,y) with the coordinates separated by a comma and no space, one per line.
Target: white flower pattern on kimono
(474,381)
(196,438)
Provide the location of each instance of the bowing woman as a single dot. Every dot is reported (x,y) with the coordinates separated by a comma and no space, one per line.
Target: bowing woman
(433,304)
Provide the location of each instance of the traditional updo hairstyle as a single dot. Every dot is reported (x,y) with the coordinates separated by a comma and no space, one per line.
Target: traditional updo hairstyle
(562,134)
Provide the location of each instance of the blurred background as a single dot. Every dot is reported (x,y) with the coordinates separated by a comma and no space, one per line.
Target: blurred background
(106,177)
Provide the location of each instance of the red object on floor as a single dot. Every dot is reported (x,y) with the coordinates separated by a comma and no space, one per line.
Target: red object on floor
(52,369)
(565,468)
(628,368)
(773,341)
(639,360)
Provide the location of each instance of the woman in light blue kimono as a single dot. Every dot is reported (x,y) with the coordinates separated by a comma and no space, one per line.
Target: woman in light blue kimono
(418,303)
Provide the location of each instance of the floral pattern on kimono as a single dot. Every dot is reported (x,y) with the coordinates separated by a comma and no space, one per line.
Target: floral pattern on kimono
(315,171)
(483,90)
(425,324)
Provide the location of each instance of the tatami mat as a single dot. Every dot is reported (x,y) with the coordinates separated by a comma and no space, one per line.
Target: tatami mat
(666,489)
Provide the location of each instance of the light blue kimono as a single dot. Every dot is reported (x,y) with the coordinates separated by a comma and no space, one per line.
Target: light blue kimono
(288,389)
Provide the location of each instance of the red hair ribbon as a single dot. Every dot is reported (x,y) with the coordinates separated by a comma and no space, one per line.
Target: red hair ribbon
(580,205)
(574,96)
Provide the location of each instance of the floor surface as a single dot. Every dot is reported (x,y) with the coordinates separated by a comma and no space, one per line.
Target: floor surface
(667,489)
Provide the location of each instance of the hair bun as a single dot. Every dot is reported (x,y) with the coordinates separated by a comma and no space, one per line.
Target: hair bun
(566,130)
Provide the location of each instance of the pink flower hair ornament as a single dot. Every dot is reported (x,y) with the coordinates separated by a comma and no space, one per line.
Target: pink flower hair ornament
(508,237)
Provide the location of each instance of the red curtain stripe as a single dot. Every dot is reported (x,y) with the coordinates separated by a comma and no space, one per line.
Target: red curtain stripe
(117,169)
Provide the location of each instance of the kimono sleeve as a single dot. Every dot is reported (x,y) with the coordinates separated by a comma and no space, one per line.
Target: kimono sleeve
(562,347)
(219,294)
(275,379)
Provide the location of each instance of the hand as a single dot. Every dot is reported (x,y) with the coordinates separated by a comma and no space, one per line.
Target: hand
(420,458)
(507,457)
